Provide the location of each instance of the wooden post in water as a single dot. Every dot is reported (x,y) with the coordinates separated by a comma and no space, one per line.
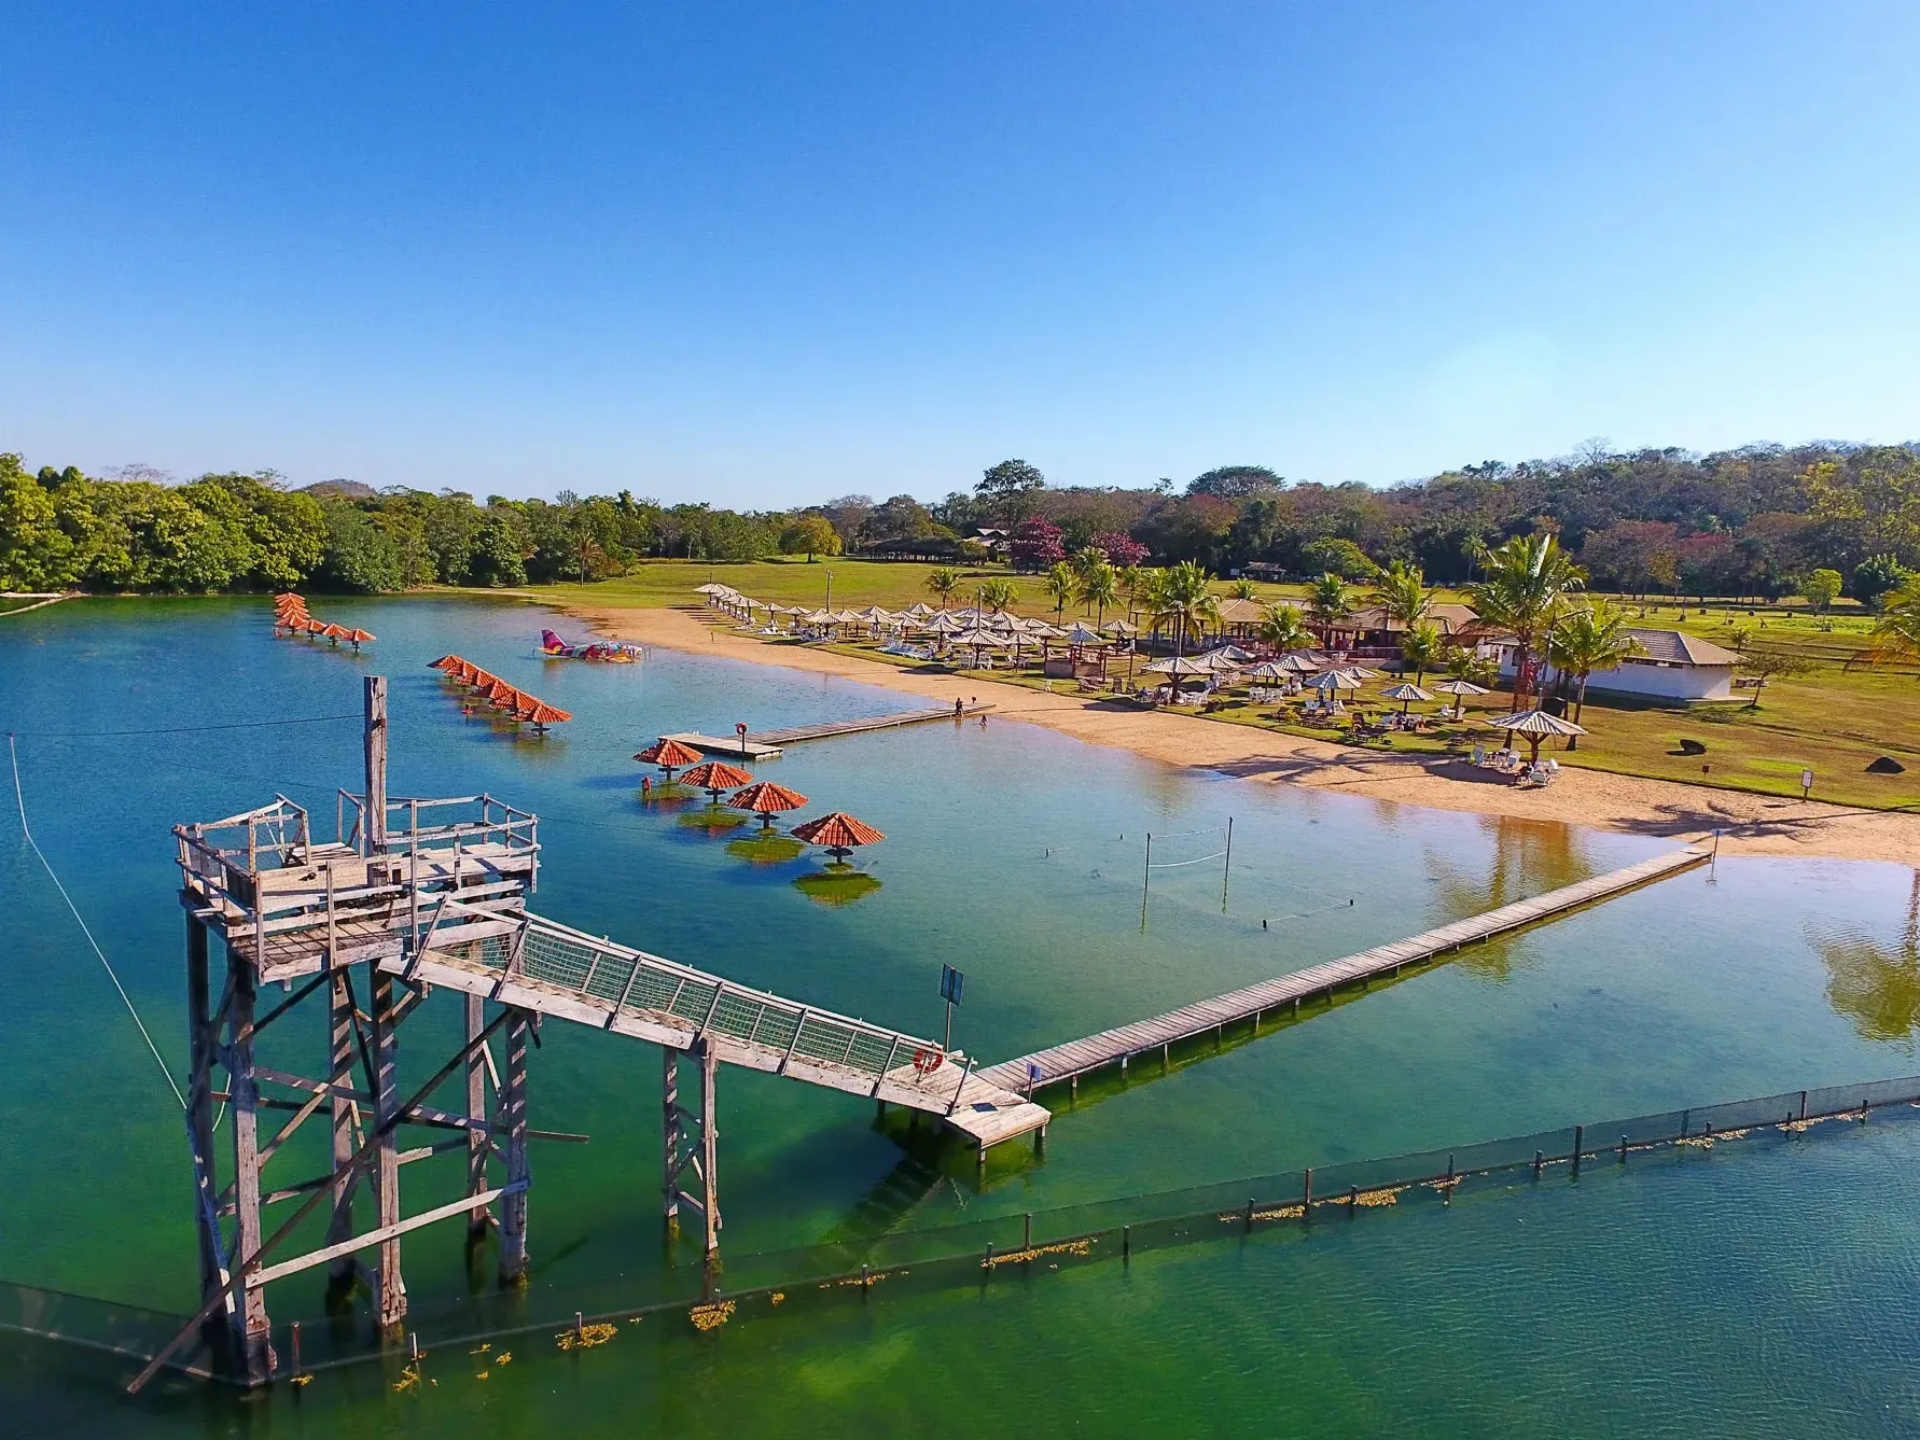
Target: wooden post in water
(341,1053)
(373,826)
(252,1329)
(1579,1144)
(479,1138)
(201,1043)
(390,1289)
(513,1121)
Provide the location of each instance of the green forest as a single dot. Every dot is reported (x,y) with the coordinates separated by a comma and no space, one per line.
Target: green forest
(1759,521)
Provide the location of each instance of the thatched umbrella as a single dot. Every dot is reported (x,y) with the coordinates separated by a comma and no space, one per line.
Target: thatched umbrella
(1406,693)
(1297,663)
(1268,670)
(669,755)
(766,799)
(1460,689)
(356,637)
(448,663)
(1536,725)
(539,714)
(713,776)
(1333,682)
(839,832)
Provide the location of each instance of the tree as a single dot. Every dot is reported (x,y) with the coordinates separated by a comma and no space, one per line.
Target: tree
(1463,663)
(1339,556)
(1035,545)
(1280,626)
(1875,576)
(1821,588)
(1523,584)
(997,595)
(1402,593)
(1008,490)
(1185,601)
(1589,637)
(1122,550)
(1328,602)
(34,554)
(1243,589)
(810,535)
(1420,647)
(943,582)
(1060,583)
(1765,664)
(1235,482)
(1098,584)
(1896,635)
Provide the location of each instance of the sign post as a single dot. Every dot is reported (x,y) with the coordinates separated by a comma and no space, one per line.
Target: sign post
(1806,784)
(740,726)
(951,983)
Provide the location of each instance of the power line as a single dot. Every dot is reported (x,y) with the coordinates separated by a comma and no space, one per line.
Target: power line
(20,799)
(181,729)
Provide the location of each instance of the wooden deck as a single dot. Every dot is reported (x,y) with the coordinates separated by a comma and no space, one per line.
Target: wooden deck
(1115,1047)
(767,744)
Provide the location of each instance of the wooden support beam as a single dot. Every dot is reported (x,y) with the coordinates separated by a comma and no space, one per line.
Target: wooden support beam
(341,1051)
(477,1219)
(252,1330)
(200,1047)
(391,1299)
(709,1139)
(513,1116)
(385,1235)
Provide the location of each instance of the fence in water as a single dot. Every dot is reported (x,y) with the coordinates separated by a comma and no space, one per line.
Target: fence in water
(979,1252)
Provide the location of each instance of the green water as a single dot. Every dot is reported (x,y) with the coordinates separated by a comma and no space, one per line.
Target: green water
(1016,855)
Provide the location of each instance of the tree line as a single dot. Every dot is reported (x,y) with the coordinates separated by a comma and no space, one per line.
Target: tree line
(1758,521)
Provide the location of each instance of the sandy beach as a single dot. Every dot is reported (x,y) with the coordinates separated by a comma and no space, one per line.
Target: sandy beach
(1749,823)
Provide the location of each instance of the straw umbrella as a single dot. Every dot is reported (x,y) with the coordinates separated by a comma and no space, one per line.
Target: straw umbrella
(1406,693)
(766,799)
(669,755)
(1297,663)
(838,832)
(714,776)
(356,637)
(539,714)
(1536,725)
(1460,689)
(1333,682)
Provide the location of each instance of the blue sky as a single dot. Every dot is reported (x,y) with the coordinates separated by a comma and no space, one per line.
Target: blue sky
(763,255)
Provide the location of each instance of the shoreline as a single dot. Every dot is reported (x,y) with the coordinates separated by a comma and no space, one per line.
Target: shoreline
(1750,824)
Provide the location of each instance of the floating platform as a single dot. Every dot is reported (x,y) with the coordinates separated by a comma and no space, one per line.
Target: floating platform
(1075,1058)
(768,744)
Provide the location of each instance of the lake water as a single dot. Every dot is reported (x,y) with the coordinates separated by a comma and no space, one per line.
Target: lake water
(1016,855)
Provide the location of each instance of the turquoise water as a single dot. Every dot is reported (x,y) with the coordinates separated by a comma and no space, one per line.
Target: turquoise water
(1012,853)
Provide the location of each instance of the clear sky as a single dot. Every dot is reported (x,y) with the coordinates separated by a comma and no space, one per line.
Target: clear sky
(766,254)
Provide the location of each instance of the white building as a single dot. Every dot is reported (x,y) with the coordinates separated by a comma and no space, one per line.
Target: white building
(1674,666)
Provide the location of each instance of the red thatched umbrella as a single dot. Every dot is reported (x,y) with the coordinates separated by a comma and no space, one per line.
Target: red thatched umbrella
(669,755)
(766,799)
(839,832)
(354,637)
(449,663)
(540,714)
(713,776)
(498,692)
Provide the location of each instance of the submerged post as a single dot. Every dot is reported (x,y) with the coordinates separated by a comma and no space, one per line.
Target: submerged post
(1146,879)
(1226,871)
(390,1291)
(252,1330)
(478,1135)
(513,1119)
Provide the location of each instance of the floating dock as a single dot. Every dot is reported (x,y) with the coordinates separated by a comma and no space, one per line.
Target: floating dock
(1068,1062)
(768,744)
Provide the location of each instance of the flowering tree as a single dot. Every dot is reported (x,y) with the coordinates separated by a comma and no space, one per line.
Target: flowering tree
(1123,550)
(1036,545)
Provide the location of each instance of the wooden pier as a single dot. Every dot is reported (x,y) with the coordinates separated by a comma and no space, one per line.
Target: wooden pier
(768,744)
(1075,1058)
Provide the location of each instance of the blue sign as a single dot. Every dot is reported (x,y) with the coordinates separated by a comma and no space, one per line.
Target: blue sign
(951,981)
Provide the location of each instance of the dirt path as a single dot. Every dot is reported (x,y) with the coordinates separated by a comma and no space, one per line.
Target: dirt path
(1750,824)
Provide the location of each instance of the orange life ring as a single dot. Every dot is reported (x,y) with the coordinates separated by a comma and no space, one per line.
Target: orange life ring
(926,1060)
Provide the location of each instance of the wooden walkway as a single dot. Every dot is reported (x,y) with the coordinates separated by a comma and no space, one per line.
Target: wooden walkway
(766,744)
(1117,1046)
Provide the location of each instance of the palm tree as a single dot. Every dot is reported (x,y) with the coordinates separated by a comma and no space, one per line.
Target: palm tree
(1896,635)
(1590,637)
(1470,666)
(1060,583)
(1099,585)
(1143,589)
(1186,602)
(1328,601)
(943,582)
(997,595)
(1420,649)
(1402,593)
(1281,627)
(1243,589)
(1523,583)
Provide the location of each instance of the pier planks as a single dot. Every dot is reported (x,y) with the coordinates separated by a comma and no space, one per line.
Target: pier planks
(766,744)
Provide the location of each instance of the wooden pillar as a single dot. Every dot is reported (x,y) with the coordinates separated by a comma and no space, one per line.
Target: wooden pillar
(709,1139)
(340,1072)
(478,1137)
(513,1121)
(252,1330)
(670,1138)
(391,1297)
(200,1048)
(374,826)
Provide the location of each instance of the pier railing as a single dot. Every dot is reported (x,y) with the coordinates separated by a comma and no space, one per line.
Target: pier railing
(1286,1203)
(452,823)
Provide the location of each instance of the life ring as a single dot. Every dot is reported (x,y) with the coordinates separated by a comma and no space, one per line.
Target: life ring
(926,1060)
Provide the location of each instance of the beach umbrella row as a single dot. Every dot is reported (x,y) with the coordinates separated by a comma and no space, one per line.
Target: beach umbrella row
(839,833)
(290,614)
(510,700)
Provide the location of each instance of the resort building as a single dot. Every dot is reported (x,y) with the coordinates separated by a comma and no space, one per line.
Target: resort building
(1674,666)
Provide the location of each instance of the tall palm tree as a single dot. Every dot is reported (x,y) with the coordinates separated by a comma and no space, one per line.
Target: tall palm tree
(1589,637)
(1521,586)
(1060,583)
(1099,585)
(1328,601)
(1281,627)
(1186,602)
(1896,636)
(1143,591)
(1421,649)
(1402,593)
(943,582)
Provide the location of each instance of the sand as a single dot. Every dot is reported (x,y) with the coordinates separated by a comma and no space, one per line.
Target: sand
(1749,824)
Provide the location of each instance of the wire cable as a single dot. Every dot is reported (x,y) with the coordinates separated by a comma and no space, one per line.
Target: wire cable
(1176,864)
(182,729)
(20,799)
